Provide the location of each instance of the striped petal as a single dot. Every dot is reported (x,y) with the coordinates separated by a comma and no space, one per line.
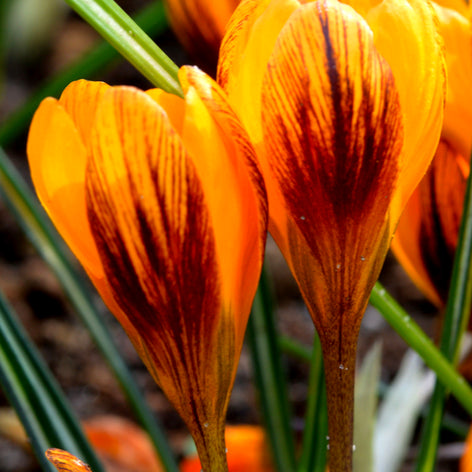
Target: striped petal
(456,29)
(153,232)
(239,219)
(63,461)
(426,238)
(406,35)
(334,136)
(245,51)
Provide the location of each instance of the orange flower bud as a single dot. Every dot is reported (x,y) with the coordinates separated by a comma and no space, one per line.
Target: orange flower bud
(161,200)
(344,105)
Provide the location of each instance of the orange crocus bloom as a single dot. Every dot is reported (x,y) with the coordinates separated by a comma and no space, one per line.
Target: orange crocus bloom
(427,235)
(344,105)
(161,200)
(200,27)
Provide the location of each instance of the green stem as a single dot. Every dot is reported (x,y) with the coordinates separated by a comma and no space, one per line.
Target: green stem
(34,222)
(269,376)
(109,20)
(414,336)
(313,456)
(152,19)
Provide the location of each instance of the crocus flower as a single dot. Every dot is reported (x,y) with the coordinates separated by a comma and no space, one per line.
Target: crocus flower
(344,105)
(427,235)
(200,26)
(161,200)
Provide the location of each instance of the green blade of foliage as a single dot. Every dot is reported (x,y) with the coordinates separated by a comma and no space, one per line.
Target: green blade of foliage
(151,19)
(415,337)
(37,399)
(295,348)
(314,444)
(37,227)
(269,377)
(109,20)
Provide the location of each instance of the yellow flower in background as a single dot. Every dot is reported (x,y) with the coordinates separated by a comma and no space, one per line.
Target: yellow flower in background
(161,200)
(427,235)
(344,104)
(200,27)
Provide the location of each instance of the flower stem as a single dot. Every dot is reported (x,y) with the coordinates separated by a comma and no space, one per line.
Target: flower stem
(339,354)
(211,447)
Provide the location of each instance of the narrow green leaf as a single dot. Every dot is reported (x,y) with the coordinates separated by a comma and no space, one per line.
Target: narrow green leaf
(270,379)
(414,336)
(455,322)
(109,20)
(34,394)
(365,409)
(295,348)
(315,442)
(37,227)
(151,19)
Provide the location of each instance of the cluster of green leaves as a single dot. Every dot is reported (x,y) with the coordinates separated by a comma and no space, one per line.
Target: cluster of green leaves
(39,401)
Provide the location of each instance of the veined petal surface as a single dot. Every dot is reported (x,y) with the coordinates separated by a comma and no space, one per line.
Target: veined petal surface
(406,35)
(66,462)
(155,240)
(245,51)
(426,238)
(334,136)
(456,29)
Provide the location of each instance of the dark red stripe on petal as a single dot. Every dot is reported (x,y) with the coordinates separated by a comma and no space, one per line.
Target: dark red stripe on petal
(333,129)
(149,219)
(442,193)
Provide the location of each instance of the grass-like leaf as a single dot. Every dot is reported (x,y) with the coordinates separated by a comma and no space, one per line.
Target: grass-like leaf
(270,379)
(110,21)
(37,399)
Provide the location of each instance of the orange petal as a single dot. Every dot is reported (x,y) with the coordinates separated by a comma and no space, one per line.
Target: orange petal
(154,234)
(466,460)
(66,462)
(426,238)
(245,51)
(405,33)
(239,213)
(80,99)
(57,158)
(456,30)
(333,128)
(121,444)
